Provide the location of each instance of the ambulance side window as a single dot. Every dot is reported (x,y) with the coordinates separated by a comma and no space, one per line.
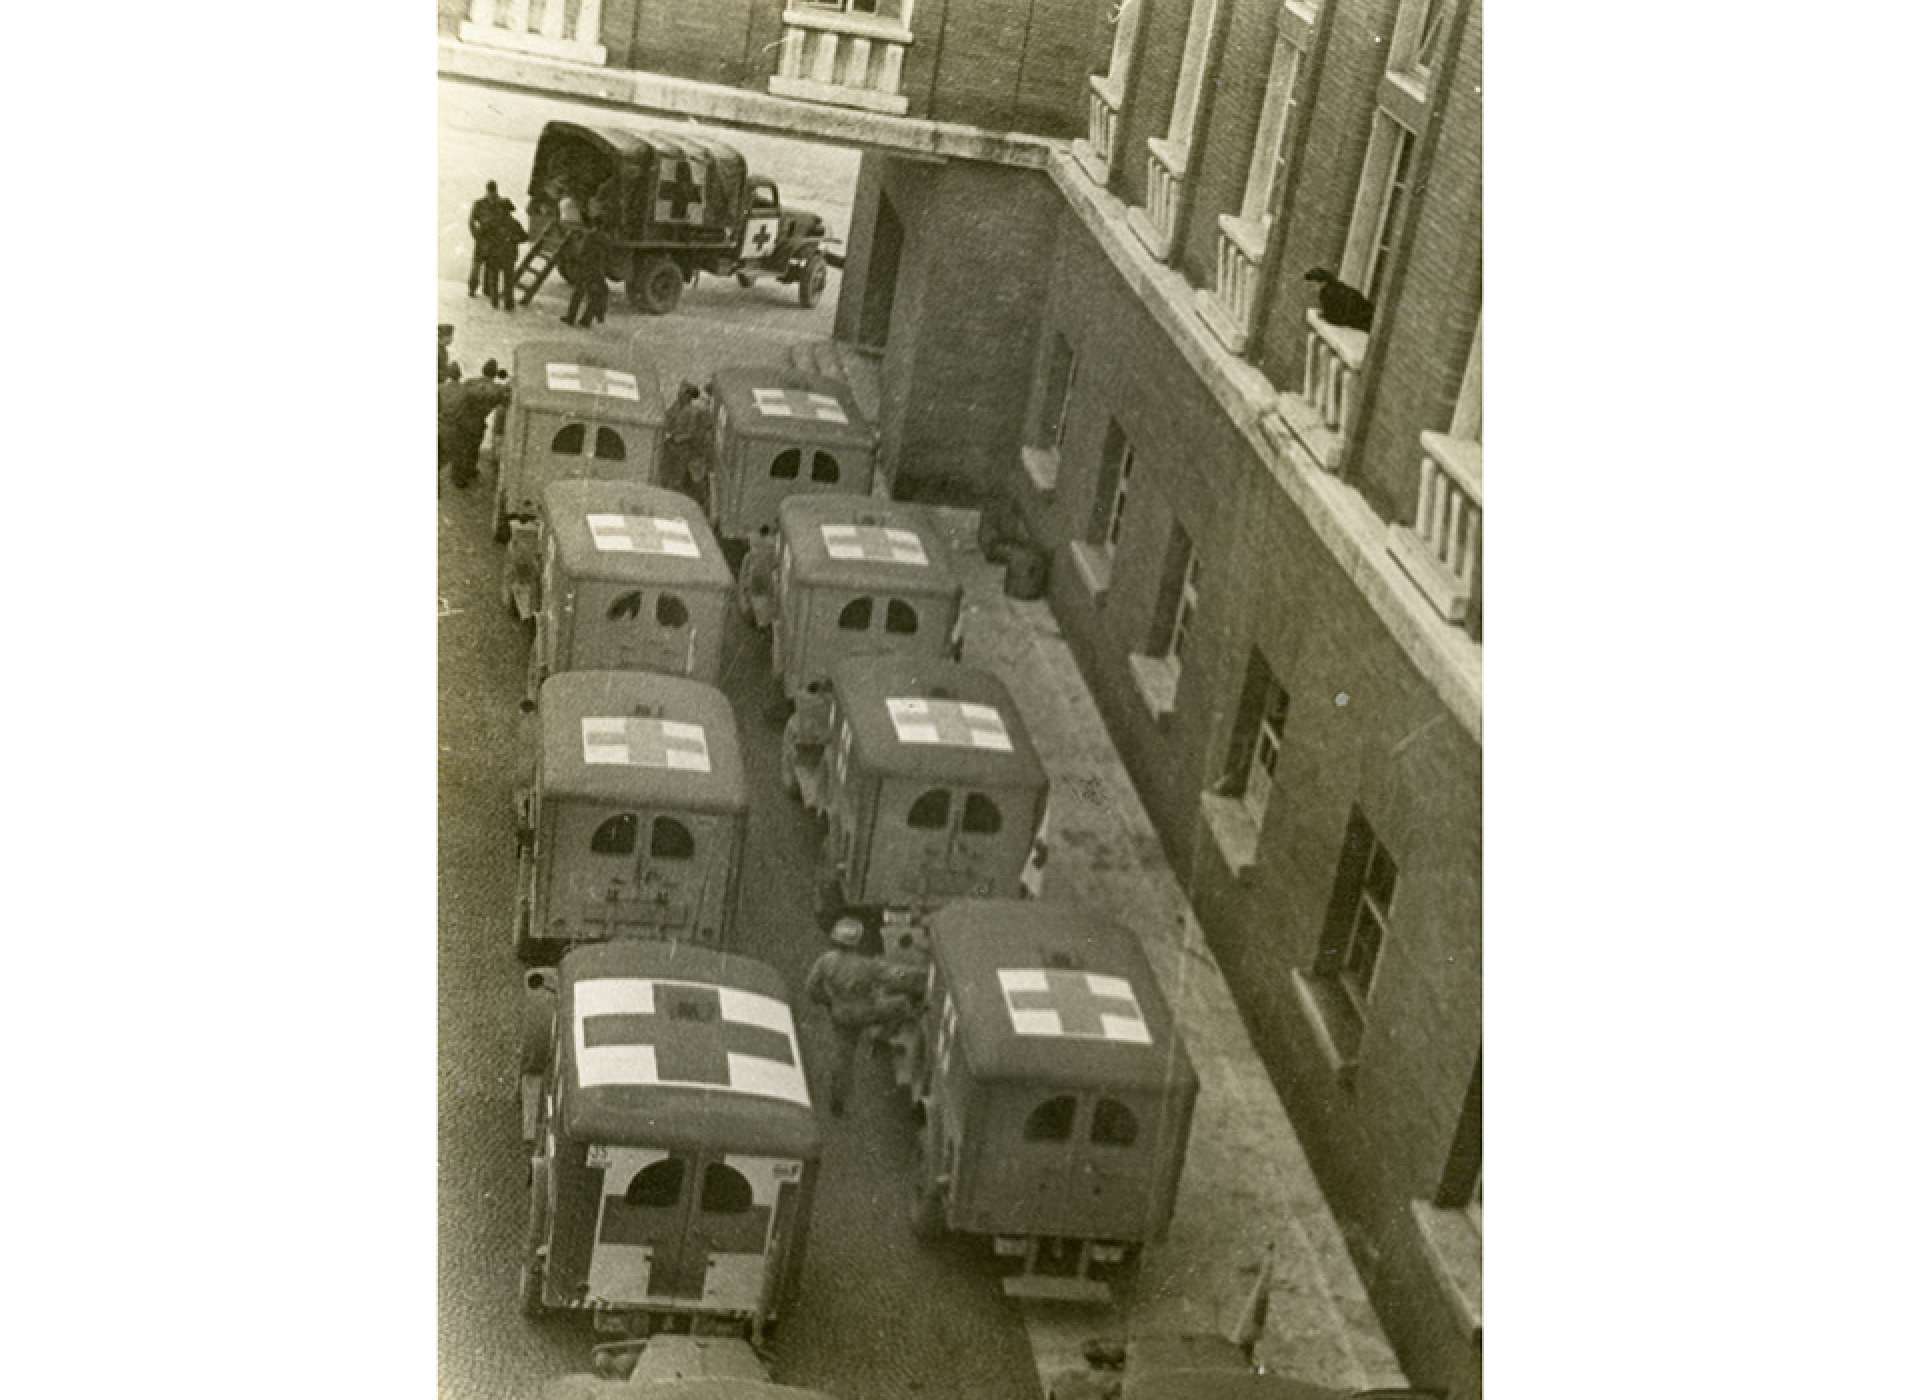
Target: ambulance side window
(724,1191)
(670,841)
(669,611)
(902,620)
(571,440)
(929,810)
(657,1185)
(857,616)
(616,835)
(786,466)
(979,817)
(1051,1121)
(826,467)
(608,446)
(1113,1124)
(625,608)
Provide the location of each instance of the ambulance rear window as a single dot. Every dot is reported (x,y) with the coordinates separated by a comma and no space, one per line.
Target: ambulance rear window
(626,607)
(1051,1121)
(669,611)
(671,840)
(608,446)
(657,1185)
(980,817)
(902,620)
(786,466)
(1113,1124)
(724,1191)
(616,835)
(929,810)
(570,441)
(857,616)
(826,467)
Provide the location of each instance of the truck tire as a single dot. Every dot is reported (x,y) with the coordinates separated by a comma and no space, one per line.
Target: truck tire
(813,278)
(655,284)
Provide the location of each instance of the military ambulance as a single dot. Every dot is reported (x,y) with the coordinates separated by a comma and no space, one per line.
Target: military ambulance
(856,577)
(579,410)
(780,433)
(675,1366)
(931,786)
(1057,1094)
(631,579)
(636,818)
(675,1150)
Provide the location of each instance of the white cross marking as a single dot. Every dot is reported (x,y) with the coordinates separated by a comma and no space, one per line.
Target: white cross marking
(645,743)
(886,546)
(591,379)
(644,534)
(797,403)
(953,722)
(1089,998)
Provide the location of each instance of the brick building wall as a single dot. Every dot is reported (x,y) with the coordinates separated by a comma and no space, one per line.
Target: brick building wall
(1217,168)
(1149,95)
(1351,60)
(1420,346)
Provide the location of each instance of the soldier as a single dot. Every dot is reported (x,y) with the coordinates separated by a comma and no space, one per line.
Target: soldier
(844,981)
(806,734)
(756,577)
(464,408)
(505,234)
(448,369)
(589,301)
(675,474)
(478,219)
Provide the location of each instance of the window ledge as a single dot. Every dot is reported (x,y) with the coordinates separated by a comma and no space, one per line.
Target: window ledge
(1106,89)
(859,26)
(1173,158)
(1234,831)
(1042,466)
(1451,1242)
(1157,678)
(1403,97)
(1094,564)
(1248,235)
(1336,1028)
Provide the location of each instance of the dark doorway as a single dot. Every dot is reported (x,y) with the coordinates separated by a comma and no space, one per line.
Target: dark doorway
(883,270)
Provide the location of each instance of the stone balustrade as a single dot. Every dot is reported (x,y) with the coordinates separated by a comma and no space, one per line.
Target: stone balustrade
(1229,305)
(552,28)
(845,60)
(1334,357)
(1157,225)
(1441,551)
(1103,128)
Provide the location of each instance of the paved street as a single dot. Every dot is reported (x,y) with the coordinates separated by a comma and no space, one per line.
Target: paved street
(879,1316)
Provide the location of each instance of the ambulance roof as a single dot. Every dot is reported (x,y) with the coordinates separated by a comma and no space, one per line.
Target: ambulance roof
(667,1044)
(1050,992)
(791,405)
(935,719)
(638,738)
(608,383)
(624,532)
(858,542)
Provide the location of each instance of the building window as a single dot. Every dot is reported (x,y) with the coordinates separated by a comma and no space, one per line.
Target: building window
(1358,919)
(1113,1124)
(670,841)
(1193,68)
(786,466)
(1416,37)
(1188,604)
(616,836)
(570,441)
(1263,171)
(900,11)
(857,616)
(1380,209)
(608,445)
(1116,479)
(930,810)
(1253,757)
(1056,393)
(902,620)
(1052,1120)
(826,468)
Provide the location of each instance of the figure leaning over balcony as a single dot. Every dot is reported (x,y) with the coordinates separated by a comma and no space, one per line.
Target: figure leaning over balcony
(1341,305)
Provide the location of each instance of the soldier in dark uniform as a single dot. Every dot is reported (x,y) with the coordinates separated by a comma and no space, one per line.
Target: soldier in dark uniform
(505,234)
(464,408)
(805,737)
(589,303)
(478,219)
(844,981)
(757,572)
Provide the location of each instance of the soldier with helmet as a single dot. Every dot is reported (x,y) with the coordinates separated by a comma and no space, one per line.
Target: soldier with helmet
(846,983)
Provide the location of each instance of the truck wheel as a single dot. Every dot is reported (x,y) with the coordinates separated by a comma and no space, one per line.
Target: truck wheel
(655,284)
(813,278)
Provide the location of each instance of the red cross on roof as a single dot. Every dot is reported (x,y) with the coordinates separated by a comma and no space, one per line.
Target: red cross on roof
(689,1037)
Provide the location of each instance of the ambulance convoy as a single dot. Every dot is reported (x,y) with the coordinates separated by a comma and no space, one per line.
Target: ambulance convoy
(675,1152)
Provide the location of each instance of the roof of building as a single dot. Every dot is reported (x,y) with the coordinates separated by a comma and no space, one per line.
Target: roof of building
(665,1043)
(608,383)
(791,405)
(858,542)
(935,719)
(1050,992)
(625,532)
(634,737)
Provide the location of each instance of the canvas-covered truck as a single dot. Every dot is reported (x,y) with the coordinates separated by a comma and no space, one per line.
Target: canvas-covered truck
(671,205)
